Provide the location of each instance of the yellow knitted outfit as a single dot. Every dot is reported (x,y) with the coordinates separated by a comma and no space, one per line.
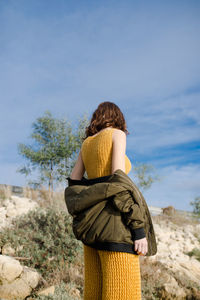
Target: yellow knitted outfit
(108,275)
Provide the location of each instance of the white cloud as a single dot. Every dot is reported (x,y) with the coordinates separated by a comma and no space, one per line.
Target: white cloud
(164,123)
(139,53)
(145,58)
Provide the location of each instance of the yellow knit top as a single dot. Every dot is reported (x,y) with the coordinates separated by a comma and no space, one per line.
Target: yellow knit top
(96,153)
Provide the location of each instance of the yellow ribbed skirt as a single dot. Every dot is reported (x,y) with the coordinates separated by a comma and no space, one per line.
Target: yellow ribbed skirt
(111,275)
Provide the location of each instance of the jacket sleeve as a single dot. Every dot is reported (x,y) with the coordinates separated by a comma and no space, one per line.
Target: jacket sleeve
(131,213)
(81,197)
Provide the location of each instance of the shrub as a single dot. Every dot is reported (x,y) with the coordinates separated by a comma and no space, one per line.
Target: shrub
(62,292)
(47,239)
(195,252)
(196,206)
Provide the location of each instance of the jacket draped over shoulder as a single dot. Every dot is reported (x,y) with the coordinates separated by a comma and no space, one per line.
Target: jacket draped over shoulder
(110,213)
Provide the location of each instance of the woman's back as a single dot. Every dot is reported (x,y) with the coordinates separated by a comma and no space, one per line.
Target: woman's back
(96,153)
(111,270)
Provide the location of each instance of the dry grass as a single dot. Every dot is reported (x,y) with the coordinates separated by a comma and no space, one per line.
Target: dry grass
(66,273)
(59,200)
(151,278)
(177,219)
(30,193)
(153,274)
(5,193)
(44,198)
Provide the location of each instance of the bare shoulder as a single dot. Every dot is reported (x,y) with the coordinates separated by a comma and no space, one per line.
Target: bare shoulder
(119,135)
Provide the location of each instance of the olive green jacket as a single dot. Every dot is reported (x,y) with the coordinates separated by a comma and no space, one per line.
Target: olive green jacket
(109,213)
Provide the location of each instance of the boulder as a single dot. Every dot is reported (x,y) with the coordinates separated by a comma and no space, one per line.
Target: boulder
(16,281)
(172,288)
(10,268)
(174,242)
(47,291)
(169,210)
(7,250)
(14,207)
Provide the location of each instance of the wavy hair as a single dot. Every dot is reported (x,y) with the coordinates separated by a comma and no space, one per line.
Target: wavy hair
(107,114)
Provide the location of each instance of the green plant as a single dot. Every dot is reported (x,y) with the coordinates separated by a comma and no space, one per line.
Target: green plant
(47,239)
(62,292)
(196,234)
(195,252)
(145,175)
(53,151)
(196,206)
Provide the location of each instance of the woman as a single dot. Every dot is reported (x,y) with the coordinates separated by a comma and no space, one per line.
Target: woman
(110,275)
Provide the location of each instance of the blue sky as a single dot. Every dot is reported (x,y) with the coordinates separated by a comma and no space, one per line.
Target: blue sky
(68,56)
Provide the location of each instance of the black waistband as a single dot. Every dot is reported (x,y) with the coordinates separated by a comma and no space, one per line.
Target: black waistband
(112,246)
(86,181)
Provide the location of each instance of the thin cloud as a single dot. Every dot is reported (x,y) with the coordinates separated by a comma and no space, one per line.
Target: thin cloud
(178,187)
(70,57)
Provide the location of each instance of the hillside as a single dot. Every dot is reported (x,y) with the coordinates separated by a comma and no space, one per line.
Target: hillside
(173,273)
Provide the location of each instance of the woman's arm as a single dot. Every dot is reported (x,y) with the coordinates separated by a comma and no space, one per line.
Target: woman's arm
(119,150)
(118,162)
(79,168)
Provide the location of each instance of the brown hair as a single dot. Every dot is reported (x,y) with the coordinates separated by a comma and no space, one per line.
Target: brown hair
(107,114)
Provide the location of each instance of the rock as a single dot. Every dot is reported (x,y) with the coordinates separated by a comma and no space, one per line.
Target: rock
(18,289)
(16,281)
(197,228)
(173,242)
(6,202)
(19,206)
(170,210)
(172,288)
(30,276)
(10,268)
(2,212)
(7,250)
(19,248)
(75,292)
(47,291)
(13,207)
(11,212)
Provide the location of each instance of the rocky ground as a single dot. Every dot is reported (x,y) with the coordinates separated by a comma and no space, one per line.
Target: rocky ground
(13,207)
(173,241)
